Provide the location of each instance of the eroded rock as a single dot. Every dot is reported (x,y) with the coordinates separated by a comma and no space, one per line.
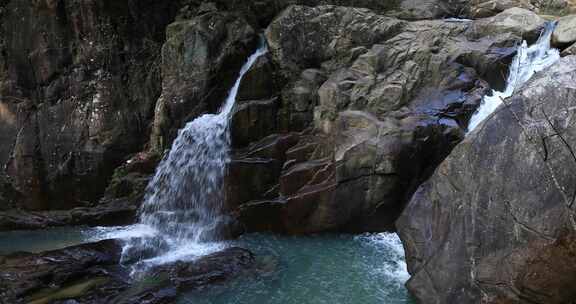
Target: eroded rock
(78,87)
(385,106)
(91,273)
(565,31)
(518,21)
(494,215)
(201,60)
(488,8)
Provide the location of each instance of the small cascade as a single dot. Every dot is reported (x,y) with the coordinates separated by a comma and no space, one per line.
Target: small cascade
(181,217)
(528,61)
(395,268)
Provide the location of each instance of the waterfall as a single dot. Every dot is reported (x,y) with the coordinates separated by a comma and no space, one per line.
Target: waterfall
(527,62)
(181,217)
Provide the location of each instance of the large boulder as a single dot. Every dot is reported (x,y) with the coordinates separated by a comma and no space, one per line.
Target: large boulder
(488,8)
(494,223)
(565,32)
(518,21)
(375,103)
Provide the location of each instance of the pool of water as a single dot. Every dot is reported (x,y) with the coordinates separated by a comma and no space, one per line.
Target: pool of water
(329,269)
(42,240)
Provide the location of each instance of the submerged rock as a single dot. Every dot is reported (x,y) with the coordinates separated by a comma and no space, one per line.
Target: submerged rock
(494,223)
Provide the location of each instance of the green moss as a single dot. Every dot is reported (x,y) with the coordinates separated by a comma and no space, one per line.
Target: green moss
(69,292)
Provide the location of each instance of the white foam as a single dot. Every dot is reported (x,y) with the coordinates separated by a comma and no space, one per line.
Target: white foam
(391,244)
(527,62)
(181,217)
(121,232)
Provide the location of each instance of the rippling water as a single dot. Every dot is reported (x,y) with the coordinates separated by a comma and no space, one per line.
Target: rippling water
(331,269)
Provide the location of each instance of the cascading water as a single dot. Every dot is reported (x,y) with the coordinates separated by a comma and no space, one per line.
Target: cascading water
(527,62)
(181,217)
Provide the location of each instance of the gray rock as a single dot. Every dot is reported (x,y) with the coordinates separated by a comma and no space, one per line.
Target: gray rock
(302,36)
(565,32)
(518,21)
(476,230)
(78,86)
(488,8)
(388,105)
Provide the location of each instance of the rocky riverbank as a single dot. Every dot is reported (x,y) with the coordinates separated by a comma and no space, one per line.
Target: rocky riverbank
(356,116)
(92,273)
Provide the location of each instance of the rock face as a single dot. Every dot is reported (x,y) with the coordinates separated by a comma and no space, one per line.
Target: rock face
(494,223)
(263,11)
(91,273)
(93,83)
(200,62)
(368,105)
(78,86)
(571,50)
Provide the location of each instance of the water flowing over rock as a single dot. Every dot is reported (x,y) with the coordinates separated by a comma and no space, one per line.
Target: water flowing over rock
(363,116)
(527,62)
(200,61)
(184,203)
(494,224)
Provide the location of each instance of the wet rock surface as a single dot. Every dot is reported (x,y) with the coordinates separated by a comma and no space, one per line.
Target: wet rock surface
(370,113)
(494,221)
(78,88)
(113,213)
(201,59)
(91,273)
